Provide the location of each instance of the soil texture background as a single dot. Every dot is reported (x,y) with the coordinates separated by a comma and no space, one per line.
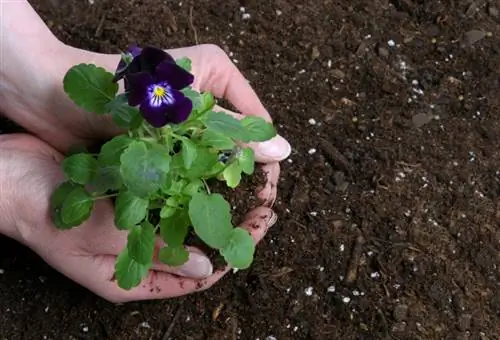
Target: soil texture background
(389,222)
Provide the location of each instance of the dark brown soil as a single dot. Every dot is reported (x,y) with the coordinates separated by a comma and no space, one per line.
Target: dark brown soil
(388,210)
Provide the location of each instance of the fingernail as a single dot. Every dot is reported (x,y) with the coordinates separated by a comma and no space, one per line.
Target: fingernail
(277,148)
(272,219)
(198,266)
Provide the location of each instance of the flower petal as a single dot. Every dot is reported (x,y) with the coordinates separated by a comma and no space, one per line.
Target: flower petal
(134,50)
(122,67)
(176,76)
(156,116)
(151,57)
(136,85)
(181,109)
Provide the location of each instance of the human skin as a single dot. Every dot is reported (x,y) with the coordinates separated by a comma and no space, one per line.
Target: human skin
(32,65)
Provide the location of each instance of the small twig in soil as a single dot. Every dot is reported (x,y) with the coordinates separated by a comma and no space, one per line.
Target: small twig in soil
(384,324)
(98,30)
(217,311)
(335,157)
(234,327)
(352,271)
(281,272)
(191,25)
(170,328)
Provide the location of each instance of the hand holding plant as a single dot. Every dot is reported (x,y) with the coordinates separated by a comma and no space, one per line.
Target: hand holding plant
(159,170)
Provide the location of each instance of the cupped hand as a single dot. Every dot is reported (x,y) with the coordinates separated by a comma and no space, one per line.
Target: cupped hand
(87,254)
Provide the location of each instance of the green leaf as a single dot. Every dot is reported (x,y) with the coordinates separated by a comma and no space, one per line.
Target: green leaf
(211,219)
(188,152)
(128,272)
(185,63)
(129,210)
(175,187)
(112,150)
(106,177)
(204,162)
(79,168)
(232,175)
(206,102)
(77,207)
(216,140)
(90,87)
(193,187)
(246,159)
(57,199)
(167,211)
(123,115)
(141,243)
(174,256)
(173,229)
(226,125)
(240,249)
(258,129)
(144,169)
(202,102)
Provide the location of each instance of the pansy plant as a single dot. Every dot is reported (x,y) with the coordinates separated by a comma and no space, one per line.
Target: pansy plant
(159,169)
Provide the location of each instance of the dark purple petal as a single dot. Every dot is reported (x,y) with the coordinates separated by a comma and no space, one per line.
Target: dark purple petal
(156,116)
(181,109)
(133,51)
(175,75)
(151,57)
(137,87)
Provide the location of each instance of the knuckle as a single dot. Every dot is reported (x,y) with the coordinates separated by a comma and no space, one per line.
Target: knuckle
(217,53)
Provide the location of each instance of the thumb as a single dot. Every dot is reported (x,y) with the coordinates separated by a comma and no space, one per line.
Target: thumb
(273,150)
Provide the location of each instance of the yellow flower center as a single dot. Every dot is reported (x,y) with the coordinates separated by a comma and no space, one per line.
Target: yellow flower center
(159,91)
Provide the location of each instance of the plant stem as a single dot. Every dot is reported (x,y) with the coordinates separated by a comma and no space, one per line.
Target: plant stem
(206,186)
(104,197)
(151,131)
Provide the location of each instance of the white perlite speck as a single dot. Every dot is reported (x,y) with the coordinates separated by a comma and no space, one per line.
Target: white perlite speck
(270,337)
(346,299)
(391,43)
(85,329)
(312,121)
(312,151)
(331,289)
(308,291)
(2,271)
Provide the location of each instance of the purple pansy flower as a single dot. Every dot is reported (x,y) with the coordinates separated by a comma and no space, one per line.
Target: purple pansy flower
(144,60)
(157,91)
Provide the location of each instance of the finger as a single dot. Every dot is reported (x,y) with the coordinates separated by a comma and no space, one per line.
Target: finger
(268,192)
(162,285)
(276,149)
(218,74)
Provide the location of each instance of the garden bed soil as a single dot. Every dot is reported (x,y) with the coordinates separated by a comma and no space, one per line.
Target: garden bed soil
(388,205)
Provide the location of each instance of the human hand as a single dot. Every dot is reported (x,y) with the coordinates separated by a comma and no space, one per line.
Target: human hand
(30,172)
